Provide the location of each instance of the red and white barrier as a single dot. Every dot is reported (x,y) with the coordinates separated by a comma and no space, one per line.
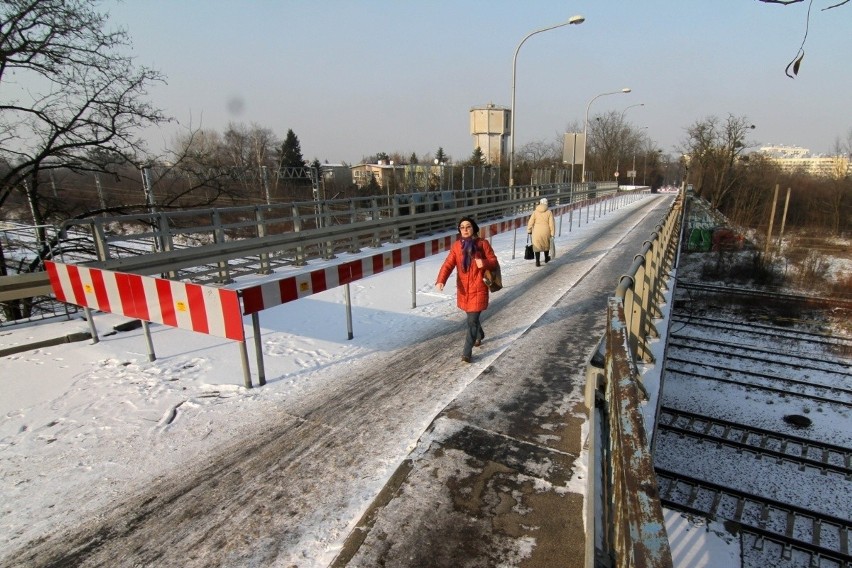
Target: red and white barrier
(205,309)
(270,294)
(262,296)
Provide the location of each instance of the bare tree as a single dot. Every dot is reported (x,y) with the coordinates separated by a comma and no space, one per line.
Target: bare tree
(713,150)
(249,149)
(612,141)
(68,88)
(840,188)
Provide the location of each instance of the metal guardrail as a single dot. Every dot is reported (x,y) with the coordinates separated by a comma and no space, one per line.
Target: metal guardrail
(21,247)
(214,246)
(632,530)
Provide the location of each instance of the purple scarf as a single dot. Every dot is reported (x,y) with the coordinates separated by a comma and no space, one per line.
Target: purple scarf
(468,246)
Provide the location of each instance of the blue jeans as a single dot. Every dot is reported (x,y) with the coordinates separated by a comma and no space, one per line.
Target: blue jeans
(474,332)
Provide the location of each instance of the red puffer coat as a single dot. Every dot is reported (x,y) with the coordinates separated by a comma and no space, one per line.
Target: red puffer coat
(471,291)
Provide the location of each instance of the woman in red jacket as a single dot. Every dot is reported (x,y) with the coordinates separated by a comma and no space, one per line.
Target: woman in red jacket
(470,256)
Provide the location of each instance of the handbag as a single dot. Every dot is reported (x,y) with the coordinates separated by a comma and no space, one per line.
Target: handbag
(493,279)
(552,248)
(529,254)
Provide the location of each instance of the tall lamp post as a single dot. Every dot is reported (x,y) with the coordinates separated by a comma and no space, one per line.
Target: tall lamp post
(586,126)
(572,20)
(630,107)
(634,160)
(621,121)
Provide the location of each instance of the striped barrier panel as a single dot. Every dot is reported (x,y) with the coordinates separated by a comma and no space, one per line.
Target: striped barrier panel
(204,309)
(270,294)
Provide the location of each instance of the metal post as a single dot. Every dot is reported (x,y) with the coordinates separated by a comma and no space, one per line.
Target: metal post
(586,127)
(573,20)
(771,220)
(264,176)
(245,363)
(147,186)
(784,217)
(561,216)
(147,329)
(101,200)
(92,329)
(258,349)
(349,334)
(413,283)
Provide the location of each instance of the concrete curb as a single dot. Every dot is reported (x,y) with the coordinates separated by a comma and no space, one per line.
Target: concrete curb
(70,338)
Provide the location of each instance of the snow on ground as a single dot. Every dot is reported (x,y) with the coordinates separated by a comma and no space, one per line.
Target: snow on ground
(82,423)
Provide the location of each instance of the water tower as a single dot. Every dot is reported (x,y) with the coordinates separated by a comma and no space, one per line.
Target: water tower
(490,128)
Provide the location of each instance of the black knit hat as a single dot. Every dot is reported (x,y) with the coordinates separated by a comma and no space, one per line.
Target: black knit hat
(472,224)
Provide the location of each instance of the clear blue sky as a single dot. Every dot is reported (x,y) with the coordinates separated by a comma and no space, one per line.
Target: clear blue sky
(355,78)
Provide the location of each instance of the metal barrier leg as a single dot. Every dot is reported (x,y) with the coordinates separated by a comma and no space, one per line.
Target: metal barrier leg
(349,334)
(245,362)
(258,349)
(413,284)
(146,328)
(92,329)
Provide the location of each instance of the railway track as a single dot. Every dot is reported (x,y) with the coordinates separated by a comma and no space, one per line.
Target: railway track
(764,295)
(753,428)
(761,442)
(824,538)
(755,331)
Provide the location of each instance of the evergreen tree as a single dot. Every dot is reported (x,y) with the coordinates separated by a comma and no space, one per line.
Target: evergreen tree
(413,159)
(477,158)
(291,152)
(373,187)
(440,156)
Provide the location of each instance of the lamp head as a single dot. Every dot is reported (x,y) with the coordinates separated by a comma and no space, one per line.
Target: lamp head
(578,19)
(625,90)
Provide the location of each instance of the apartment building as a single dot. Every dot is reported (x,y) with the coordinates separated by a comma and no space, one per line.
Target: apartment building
(795,158)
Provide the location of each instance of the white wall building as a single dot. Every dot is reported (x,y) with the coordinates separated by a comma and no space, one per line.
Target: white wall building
(795,158)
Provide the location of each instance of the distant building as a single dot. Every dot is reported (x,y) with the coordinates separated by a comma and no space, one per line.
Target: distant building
(794,158)
(336,173)
(385,174)
(396,178)
(490,127)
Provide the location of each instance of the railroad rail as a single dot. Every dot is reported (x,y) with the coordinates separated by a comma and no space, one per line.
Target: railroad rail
(765,294)
(759,441)
(755,329)
(820,535)
(784,489)
(824,397)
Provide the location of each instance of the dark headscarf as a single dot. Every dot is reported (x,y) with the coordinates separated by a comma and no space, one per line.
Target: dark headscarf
(468,244)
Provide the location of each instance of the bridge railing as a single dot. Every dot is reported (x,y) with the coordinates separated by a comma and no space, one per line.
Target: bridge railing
(623,507)
(214,246)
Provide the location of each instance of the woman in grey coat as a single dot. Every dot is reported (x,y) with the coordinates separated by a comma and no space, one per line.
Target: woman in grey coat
(542,228)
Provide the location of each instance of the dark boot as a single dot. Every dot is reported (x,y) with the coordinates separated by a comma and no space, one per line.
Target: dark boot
(546,257)
(538,259)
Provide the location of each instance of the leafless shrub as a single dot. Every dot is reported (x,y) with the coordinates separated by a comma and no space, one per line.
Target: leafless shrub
(744,268)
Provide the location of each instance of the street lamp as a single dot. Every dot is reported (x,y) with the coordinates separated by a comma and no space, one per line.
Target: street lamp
(620,122)
(586,125)
(630,107)
(634,160)
(572,20)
